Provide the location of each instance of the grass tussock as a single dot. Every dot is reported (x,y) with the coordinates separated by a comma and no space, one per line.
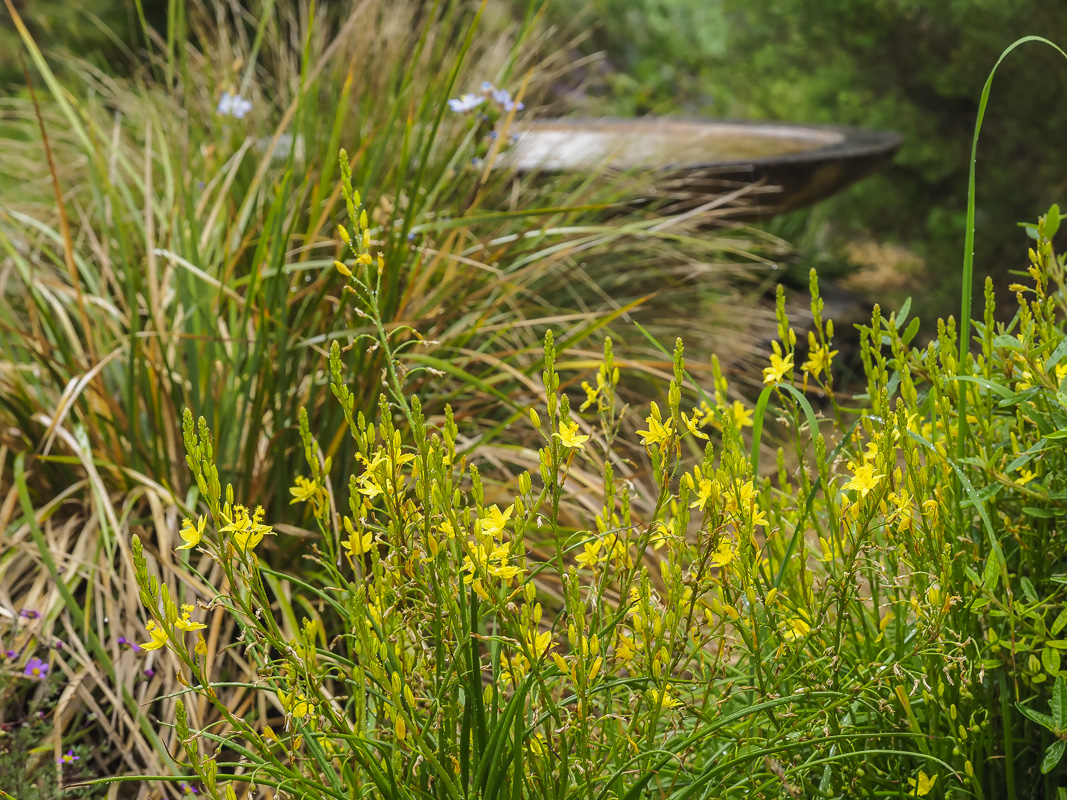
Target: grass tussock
(157,255)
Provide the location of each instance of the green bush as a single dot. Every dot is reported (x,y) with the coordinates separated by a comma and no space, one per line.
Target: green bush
(98,29)
(916,68)
(879,616)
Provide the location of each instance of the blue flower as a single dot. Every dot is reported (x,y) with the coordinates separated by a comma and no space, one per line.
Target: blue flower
(36,669)
(69,758)
(502,97)
(233,105)
(466,103)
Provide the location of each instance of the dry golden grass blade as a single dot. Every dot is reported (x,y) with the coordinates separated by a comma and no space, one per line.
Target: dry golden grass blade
(64,222)
(70,396)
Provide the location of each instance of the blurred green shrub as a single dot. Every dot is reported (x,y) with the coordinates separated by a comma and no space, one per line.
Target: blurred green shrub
(98,29)
(917,68)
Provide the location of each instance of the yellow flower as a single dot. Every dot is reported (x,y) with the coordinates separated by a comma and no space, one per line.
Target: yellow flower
(537,744)
(922,786)
(663,699)
(369,486)
(660,538)
(494,522)
(307,491)
(902,511)
(693,425)
(1025,476)
(624,649)
(658,432)
(742,498)
(758,516)
(831,549)
(505,571)
(185,623)
(819,358)
(795,628)
(513,669)
(295,703)
(619,552)
(591,556)
(568,434)
(723,554)
(159,636)
(358,542)
(779,368)
(592,395)
(248,531)
(739,415)
(706,489)
(191,534)
(863,479)
(540,643)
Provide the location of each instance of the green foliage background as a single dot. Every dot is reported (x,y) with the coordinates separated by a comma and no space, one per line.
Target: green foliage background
(88,27)
(915,67)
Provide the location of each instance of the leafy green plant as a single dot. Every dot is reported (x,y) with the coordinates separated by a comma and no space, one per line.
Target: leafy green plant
(1056,724)
(33,765)
(861,620)
(848,625)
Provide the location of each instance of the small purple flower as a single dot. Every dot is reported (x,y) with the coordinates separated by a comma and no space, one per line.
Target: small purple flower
(502,97)
(36,669)
(122,641)
(59,644)
(11,654)
(149,672)
(233,105)
(29,613)
(411,236)
(493,135)
(488,87)
(188,788)
(68,758)
(467,102)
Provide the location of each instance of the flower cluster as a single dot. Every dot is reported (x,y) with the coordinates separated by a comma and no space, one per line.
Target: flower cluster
(489,93)
(233,105)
